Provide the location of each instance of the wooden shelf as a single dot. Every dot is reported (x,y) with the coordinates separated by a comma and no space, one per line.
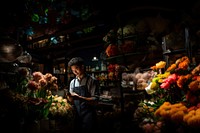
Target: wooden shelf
(127,58)
(178,51)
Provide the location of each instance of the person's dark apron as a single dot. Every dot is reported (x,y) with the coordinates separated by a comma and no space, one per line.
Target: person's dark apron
(86,118)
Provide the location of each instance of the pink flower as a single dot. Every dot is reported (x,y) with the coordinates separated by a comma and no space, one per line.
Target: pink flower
(48,76)
(172,78)
(159,124)
(42,82)
(148,128)
(37,76)
(168,81)
(53,79)
(165,85)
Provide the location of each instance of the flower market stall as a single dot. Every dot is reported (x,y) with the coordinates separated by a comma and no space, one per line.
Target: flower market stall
(173,105)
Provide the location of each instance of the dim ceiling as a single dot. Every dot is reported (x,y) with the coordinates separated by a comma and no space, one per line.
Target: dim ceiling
(18,16)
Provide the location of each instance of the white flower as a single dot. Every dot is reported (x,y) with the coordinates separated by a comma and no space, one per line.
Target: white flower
(149,90)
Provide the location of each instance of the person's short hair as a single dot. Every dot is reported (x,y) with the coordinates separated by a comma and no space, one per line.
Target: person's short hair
(76,61)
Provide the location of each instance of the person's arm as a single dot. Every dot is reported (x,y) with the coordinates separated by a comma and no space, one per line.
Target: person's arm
(93,88)
(71,86)
(82,97)
(72,95)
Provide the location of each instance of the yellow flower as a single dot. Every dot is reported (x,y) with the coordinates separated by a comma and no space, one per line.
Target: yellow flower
(160,65)
(154,86)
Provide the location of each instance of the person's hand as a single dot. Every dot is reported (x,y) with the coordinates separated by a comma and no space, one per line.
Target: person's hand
(74,94)
(69,98)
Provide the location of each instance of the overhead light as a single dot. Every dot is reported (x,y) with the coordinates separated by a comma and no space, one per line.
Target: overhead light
(94,58)
(10,49)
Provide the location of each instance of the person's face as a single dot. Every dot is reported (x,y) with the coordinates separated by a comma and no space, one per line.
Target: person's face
(77,70)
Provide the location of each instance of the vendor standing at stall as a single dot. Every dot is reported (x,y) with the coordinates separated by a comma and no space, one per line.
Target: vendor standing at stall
(84,90)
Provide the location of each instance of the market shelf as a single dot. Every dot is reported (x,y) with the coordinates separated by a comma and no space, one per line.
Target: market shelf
(171,52)
(128,57)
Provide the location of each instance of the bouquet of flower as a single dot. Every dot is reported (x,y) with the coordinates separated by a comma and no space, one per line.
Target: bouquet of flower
(178,83)
(60,108)
(40,86)
(36,90)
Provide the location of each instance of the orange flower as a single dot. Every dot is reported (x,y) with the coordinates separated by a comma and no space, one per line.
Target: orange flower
(191,108)
(157,112)
(177,116)
(165,114)
(177,105)
(197,78)
(194,85)
(171,68)
(153,68)
(184,109)
(194,121)
(185,58)
(174,110)
(182,80)
(188,115)
(196,70)
(198,111)
(166,104)
(184,63)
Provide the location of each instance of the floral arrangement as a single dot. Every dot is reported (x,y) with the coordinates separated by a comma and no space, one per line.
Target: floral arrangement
(35,85)
(174,97)
(33,93)
(178,83)
(40,85)
(60,108)
(33,96)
